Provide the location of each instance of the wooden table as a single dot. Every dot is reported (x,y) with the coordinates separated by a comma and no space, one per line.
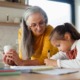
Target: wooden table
(34,76)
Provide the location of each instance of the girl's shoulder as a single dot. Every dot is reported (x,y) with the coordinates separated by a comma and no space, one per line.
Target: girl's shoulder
(78,42)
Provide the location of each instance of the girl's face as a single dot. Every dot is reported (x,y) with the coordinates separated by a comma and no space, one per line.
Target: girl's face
(36,24)
(63,45)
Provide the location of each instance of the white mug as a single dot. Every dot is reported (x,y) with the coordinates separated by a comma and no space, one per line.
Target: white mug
(7,48)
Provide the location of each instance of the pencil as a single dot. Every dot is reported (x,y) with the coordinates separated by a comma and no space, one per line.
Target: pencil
(48,54)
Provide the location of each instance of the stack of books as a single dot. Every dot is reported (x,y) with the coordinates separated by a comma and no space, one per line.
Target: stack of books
(8,72)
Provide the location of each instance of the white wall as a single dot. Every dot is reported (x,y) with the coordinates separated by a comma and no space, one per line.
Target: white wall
(8,34)
(11,12)
(58,13)
(77,14)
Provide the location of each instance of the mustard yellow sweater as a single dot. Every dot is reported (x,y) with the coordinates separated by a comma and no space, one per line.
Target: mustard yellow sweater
(41,45)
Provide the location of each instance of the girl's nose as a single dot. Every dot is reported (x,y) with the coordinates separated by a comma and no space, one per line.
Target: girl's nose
(59,49)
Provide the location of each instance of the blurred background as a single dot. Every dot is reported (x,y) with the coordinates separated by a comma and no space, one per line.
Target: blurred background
(58,11)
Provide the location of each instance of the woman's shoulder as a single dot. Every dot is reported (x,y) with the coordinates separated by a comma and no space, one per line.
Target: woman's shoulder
(48,30)
(20,30)
(49,27)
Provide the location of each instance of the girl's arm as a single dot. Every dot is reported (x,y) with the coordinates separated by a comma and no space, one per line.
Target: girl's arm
(55,59)
(59,55)
(75,63)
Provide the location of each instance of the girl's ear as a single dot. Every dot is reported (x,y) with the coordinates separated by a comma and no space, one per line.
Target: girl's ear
(67,36)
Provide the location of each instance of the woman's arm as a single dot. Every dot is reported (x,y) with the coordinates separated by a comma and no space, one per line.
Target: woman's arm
(12,56)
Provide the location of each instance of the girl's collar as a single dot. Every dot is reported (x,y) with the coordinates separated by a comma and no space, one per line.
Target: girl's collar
(74,44)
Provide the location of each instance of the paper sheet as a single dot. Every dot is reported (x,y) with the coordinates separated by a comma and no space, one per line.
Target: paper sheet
(57,71)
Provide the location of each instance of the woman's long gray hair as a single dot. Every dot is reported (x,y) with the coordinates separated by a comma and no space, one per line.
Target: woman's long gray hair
(27,37)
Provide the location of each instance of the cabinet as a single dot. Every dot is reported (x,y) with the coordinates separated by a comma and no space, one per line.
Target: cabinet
(11,5)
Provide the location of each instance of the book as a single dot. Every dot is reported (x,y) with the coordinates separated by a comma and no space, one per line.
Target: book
(31,68)
(8,72)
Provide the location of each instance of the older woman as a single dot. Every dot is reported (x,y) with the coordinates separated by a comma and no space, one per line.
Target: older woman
(33,37)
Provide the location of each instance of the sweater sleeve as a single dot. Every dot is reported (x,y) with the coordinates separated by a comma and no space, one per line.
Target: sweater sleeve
(74,63)
(63,61)
(47,46)
(59,55)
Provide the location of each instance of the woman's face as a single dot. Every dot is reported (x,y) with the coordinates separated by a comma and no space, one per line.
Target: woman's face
(36,24)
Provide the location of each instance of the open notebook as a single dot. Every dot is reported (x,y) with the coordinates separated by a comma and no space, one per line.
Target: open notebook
(50,70)
(31,68)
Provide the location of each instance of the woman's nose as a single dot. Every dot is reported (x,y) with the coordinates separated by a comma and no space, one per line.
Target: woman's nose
(38,27)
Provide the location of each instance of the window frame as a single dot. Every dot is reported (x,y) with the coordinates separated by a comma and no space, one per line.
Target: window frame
(72,3)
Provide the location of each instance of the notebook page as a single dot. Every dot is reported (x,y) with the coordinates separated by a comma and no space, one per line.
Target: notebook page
(31,68)
(57,71)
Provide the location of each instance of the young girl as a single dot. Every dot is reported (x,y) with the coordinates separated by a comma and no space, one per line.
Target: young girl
(66,38)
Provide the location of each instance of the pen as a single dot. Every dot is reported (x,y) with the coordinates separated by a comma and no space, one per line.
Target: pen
(48,54)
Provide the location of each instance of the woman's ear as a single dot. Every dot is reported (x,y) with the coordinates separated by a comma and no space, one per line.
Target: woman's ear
(67,36)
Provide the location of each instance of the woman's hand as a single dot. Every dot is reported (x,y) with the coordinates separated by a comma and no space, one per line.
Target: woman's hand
(7,61)
(12,57)
(50,62)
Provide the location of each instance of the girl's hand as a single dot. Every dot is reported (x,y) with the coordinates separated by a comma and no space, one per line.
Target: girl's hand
(50,62)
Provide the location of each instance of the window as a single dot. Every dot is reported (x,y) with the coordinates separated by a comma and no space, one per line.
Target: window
(58,12)
(77,13)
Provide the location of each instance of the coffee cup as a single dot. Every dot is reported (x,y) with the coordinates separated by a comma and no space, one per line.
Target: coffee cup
(7,48)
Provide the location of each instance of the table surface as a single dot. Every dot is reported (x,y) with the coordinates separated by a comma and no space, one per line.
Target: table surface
(34,76)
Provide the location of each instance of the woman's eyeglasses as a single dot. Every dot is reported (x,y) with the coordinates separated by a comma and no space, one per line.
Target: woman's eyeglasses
(41,23)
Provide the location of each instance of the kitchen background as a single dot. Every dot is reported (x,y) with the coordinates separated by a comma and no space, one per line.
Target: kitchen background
(8,33)
(10,18)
